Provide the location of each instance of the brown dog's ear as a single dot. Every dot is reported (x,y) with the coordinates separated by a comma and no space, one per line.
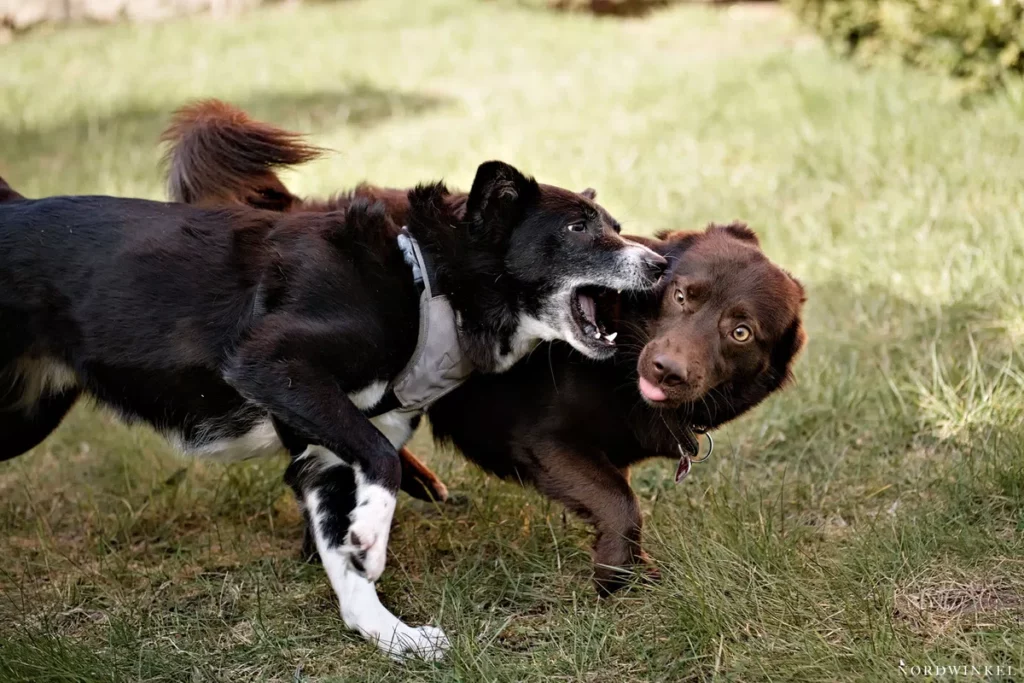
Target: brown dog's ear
(786,350)
(677,237)
(8,193)
(654,243)
(669,243)
(793,339)
(673,235)
(590,193)
(737,229)
(799,287)
(499,195)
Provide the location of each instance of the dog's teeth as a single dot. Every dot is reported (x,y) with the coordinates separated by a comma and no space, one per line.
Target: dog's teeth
(611,337)
(597,335)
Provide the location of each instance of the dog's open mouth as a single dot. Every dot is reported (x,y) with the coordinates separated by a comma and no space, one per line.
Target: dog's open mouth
(591,317)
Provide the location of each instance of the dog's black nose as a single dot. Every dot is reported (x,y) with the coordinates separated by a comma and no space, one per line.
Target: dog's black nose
(656,265)
(668,372)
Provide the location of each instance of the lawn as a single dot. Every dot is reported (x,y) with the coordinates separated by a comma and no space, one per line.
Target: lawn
(871,514)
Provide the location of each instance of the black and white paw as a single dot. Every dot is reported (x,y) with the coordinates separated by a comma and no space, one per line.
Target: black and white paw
(370,525)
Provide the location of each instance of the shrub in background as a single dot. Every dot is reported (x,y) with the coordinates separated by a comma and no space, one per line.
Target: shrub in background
(978,42)
(620,8)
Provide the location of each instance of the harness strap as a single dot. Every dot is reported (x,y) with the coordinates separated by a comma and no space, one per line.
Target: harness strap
(437,365)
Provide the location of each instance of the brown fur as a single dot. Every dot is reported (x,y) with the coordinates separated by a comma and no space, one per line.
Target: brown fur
(573,428)
(723,281)
(217,155)
(415,471)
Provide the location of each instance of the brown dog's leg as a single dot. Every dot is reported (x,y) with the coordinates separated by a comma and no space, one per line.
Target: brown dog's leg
(419,481)
(642,557)
(598,492)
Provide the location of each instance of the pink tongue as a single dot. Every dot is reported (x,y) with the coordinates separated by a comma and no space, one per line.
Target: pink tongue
(651,392)
(589,309)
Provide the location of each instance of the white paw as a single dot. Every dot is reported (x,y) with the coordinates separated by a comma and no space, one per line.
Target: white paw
(423,642)
(367,539)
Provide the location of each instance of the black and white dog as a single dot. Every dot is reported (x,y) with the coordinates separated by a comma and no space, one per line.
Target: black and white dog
(236,332)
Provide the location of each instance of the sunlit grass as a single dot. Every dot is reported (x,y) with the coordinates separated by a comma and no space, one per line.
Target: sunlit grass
(871,513)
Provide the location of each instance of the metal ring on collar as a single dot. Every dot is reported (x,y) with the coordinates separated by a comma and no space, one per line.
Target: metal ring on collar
(711,448)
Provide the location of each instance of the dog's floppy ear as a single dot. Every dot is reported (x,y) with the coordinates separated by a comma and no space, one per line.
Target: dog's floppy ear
(7,192)
(793,339)
(799,287)
(785,352)
(590,193)
(500,194)
(652,243)
(739,230)
(674,235)
(671,243)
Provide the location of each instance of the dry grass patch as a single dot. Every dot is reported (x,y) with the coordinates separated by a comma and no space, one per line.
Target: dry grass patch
(936,604)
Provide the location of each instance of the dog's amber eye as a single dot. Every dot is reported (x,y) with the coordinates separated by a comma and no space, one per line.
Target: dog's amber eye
(579,226)
(742,334)
(680,297)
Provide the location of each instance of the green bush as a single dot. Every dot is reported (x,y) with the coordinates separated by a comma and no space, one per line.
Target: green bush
(978,42)
(620,8)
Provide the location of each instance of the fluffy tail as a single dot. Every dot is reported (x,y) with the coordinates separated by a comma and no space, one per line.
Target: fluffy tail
(217,155)
(7,192)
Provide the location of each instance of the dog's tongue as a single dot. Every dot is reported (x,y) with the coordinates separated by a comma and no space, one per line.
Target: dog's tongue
(588,307)
(651,392)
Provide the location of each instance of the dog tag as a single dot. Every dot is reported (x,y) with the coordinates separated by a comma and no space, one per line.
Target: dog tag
(684,466)
(686,460)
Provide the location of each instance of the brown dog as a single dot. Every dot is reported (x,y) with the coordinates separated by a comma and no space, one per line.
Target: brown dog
(717,338)
(720,338)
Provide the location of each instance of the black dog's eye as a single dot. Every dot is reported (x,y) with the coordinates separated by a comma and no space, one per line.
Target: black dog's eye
(680,297)
(578,226)
(742,334)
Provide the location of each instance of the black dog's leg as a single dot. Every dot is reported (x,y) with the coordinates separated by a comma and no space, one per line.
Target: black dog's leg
(344,472)
(333,494)
(418,480)
(24,428)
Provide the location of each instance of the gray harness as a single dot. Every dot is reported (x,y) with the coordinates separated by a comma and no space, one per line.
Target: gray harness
(437,365)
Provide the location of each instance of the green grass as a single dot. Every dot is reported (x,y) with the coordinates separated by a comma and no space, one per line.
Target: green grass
(869,514)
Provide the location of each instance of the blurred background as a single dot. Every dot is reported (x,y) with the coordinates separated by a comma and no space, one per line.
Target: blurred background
(865,521)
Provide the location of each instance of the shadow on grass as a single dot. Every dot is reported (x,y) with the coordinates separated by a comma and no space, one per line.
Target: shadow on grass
(130,135)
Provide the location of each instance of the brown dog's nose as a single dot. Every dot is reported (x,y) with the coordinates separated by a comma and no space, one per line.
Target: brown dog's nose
(668,372)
